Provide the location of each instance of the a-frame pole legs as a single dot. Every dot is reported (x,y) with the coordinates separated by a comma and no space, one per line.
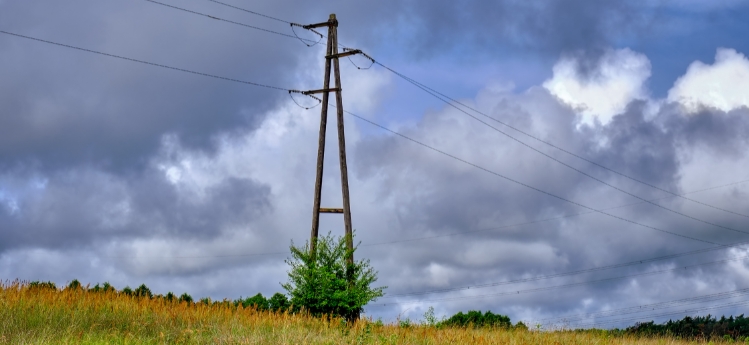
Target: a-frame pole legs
(342,149)
(321,148)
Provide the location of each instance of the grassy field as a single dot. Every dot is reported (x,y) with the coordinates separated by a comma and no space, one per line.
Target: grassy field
(51,316)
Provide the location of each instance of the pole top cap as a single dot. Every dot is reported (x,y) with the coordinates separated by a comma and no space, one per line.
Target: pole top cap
(332,16)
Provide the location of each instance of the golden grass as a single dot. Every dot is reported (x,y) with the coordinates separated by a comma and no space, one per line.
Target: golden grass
(47,316)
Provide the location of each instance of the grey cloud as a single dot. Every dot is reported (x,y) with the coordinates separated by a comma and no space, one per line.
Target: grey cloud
(83,208)
(63,108)
(469,199)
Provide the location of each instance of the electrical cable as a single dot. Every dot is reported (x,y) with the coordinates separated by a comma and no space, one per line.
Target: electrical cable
(686,311)
(545,219)
(283,21)
(253,12)
(303,40)
(231,21)
(570,166)
(646,307)
(145,62)
(626,176)
(435,94)
(496,228)
(291,92)
(524,184)
(553,287)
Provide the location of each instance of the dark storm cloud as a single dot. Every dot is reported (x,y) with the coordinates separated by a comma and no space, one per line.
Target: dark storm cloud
(80,208)
(62,107)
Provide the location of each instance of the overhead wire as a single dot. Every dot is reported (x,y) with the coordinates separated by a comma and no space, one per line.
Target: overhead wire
(252,12)
(570,166)
(599,180)
(524,184)
(546,219)
(365,245)
(440,96)
(624,175)
(435,93)
(677,312)
(289,90)
(231,21)
(553,287)
(144,62)
(646,307)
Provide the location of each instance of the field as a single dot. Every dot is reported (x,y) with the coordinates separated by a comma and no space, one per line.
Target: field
(75,316)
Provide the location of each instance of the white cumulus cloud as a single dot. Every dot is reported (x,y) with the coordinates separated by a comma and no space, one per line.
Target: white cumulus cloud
(618,80)
(722,85)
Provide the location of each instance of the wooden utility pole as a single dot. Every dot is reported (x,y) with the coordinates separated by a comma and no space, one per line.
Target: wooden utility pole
(331,56)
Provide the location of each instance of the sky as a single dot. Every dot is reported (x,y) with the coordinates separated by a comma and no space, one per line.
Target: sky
(591,156)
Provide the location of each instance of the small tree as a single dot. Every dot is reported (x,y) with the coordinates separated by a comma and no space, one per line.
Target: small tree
(185,298)
(258,302)
(143,291)
(323,283)
(278,302)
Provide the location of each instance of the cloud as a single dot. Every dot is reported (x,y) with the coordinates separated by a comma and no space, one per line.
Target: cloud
(721,85)
(617,81)
(132,174)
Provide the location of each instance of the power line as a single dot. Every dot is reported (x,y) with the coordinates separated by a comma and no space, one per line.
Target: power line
(568,273)
(553,287)
(435,94)
(523,184)
(543,220)
(648,307)
(565,164)
(236,23)
(283,89)
(145,62)
(227,21)
(686,311)
(489,229)
(287,22)
(253,12)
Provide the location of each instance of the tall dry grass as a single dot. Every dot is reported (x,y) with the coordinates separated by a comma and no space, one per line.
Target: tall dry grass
(48,316)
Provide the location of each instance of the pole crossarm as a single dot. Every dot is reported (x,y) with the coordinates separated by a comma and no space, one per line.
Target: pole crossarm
(330,23)
(345,54)
(350,51)
(311,92)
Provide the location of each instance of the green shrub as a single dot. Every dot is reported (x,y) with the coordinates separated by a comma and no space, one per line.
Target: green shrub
(278,302)
(127,291)
(475,318)
(323,283)
(74,285)
(143,291)
(258,302)
(185,298)
(42,285)
(104,288)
